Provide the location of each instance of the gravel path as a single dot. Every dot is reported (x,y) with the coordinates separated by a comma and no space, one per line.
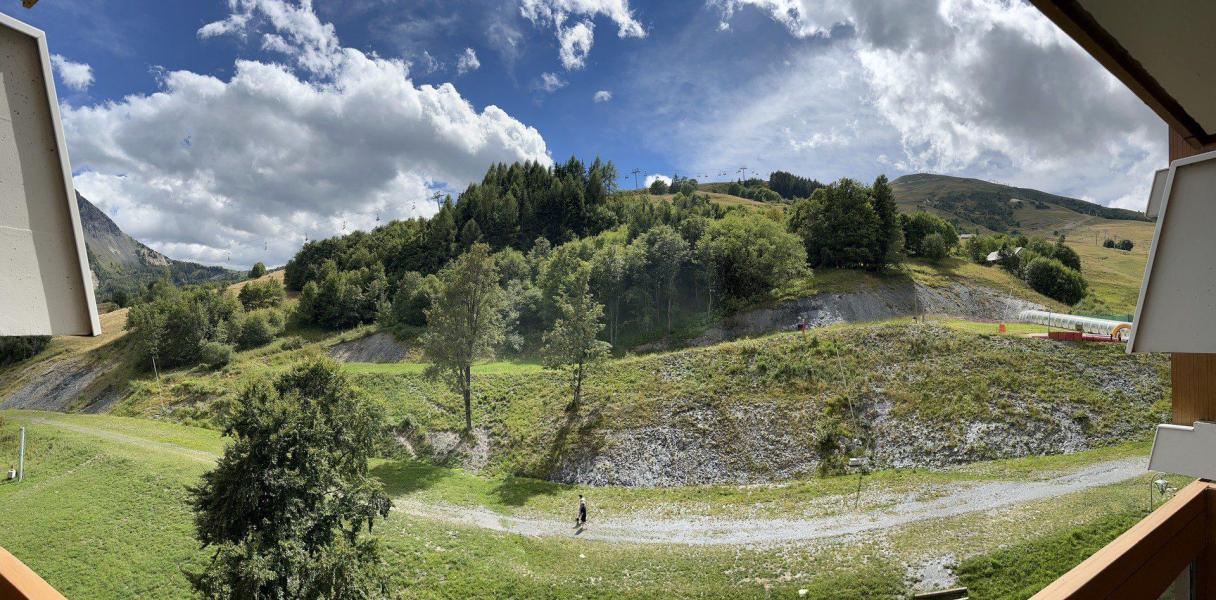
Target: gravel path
(715,531)
(712,531)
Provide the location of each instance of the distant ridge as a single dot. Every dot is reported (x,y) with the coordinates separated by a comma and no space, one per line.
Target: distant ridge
(978,205)
(121,264)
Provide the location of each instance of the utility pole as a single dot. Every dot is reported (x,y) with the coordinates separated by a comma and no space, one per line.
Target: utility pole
(21,458)
(635,178)
(437,198)
(743,177)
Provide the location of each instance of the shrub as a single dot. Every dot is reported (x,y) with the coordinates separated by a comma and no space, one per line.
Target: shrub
(1126,245)
(933,247)
(1051,278)
(258,328)
(1109,243)
(215,354)
(294,342)
(919,225)
(659,187)
(258,270)
(261,294)
(17,349)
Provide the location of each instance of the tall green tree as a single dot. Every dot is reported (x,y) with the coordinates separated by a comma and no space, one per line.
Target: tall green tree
(464,322)
(748,255)
(287,505)
(573,345)
(890,239)
(838,225)
(611,267)
(666,252)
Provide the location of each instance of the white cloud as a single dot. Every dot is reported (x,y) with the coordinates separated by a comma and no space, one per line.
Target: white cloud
(77,76)
(467,62)
(249,166)
(656,177)
(603,96)
(575,41)
(425,64)
(575,44)
(986,88)
(551,82)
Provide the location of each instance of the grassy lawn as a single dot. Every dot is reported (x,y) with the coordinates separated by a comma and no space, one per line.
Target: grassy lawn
(1114,275)
(110,492)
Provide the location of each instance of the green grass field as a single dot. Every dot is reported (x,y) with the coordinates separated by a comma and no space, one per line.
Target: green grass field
(1114,275)
(110,493)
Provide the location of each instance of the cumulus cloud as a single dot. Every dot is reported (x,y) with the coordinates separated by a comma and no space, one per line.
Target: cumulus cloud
(656,177)
(551,82)
(330,139)
(988,88)
(467,62)
(575,41)
(603,96)
(77,76)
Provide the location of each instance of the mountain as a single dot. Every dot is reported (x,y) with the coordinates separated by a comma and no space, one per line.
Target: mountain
(121,264)
(977,205)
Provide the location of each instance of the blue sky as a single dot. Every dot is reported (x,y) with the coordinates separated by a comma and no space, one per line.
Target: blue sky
(225,131)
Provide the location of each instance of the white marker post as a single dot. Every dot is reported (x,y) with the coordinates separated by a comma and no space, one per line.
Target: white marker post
(21,458)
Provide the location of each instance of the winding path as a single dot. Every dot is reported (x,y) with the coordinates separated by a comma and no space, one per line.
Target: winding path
(715,531)
(721,531)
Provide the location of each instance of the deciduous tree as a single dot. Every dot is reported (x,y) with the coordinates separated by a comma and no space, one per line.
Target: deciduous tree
(464,323)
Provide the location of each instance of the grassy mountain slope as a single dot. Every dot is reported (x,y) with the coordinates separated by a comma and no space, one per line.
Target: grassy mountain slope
(120,262)
(974,204)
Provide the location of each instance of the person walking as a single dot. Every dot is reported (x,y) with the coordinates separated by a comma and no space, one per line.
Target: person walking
(582,511)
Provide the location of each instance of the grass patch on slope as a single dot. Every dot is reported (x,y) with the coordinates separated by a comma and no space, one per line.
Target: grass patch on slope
(1114,275)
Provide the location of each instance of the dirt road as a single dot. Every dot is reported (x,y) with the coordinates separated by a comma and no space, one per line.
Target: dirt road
(711,531)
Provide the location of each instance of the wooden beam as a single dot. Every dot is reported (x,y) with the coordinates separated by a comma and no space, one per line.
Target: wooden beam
(1145,560)
(1081,26)
(18,582)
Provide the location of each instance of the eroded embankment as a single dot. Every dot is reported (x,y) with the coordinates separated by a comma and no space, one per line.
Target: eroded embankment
(901,395)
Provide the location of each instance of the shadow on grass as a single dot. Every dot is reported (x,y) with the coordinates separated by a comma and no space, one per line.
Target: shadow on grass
(407,476)
(516,491)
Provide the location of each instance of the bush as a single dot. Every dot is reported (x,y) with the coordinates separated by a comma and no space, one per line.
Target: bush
(1051,278)
(215,354)
(258,270)
(748,255)
(261,294)
(933,247)
(411,301)
(17,349)
(294,342)
(1126,245)
(659,187)
(919,225)
(174,324)
(1109,243)
(258,328)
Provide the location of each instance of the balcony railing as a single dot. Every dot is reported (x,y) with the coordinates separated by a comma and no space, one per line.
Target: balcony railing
(19,582)
(1171,552)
